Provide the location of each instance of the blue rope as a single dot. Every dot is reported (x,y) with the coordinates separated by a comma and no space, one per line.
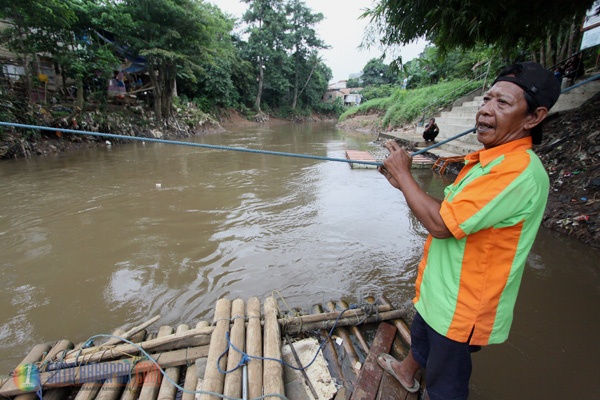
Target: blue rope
(192,144)
(171,381)
(246,358)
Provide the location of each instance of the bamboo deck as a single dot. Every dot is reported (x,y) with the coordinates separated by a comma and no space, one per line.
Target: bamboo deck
(418,161)
(345,368)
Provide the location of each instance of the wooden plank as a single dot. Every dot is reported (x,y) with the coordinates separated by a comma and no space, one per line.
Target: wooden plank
(391,389)
(371,373)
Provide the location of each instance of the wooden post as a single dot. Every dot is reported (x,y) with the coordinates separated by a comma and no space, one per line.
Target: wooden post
(167,390)
(233,380)
(213,379)
(254,348)
(153,378)
(273,370)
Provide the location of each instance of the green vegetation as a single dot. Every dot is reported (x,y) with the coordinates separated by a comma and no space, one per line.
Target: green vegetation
(268,61)
(512,26)
(405,106)
(185,48)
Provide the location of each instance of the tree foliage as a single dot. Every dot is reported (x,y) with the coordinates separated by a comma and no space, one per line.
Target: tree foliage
(450,24)
(188,47)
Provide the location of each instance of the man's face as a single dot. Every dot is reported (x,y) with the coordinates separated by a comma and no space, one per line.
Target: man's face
(502,115)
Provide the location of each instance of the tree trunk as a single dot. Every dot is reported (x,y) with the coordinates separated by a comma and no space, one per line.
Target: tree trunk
(261,77)
(157,93)
(79,100)
(295,99)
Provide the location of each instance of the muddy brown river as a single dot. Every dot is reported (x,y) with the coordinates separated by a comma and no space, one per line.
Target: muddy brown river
(97,239)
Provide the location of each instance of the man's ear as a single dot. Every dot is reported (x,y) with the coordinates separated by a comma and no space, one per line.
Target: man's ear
(534,119)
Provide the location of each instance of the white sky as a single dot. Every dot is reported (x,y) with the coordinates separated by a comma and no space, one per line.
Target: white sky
(342,30)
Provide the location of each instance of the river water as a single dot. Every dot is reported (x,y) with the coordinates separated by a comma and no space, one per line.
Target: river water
(103,238)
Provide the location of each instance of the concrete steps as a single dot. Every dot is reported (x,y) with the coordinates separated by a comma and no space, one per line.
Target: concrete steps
(462,118)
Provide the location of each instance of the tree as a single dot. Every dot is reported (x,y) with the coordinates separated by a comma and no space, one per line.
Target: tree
(173,35)
(376,72)
(304,45)
(464,24)
(266,23)
(35,27)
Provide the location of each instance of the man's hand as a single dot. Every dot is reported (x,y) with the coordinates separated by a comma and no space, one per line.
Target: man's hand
(398,163)
(396,169)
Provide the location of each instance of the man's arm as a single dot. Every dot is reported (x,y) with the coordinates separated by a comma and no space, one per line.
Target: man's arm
(396,168)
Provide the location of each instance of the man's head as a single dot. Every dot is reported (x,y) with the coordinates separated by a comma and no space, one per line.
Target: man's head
(516,104)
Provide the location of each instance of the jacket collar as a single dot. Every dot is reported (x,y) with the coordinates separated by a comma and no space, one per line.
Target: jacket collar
(486,156)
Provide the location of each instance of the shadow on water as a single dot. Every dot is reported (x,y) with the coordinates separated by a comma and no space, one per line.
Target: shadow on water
(99,239)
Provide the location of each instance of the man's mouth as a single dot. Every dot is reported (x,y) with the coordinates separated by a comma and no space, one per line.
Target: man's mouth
(483,127)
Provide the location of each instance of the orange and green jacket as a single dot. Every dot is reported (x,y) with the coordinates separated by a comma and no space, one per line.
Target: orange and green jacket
(467,285)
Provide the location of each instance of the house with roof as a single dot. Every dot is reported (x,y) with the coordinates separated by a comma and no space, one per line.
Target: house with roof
(338,90)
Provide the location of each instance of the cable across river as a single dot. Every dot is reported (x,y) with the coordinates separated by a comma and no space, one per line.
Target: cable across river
(257,151)
(218,147)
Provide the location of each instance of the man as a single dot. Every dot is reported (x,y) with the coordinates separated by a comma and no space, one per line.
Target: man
(479,235)
(431,131)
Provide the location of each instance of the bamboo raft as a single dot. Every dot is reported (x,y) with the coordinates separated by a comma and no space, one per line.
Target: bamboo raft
(342,342)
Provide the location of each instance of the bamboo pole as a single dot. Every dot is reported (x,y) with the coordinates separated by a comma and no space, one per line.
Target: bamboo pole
(342,305)
(342,332)
(400,324)
(61,347)
(200,366)
(153,378)
(167,389)
(176,341)
(233,380)
(273,370)
(213,379)
(172,342)
(133,387)
(89,390)
(130,333)
(191,374)
(329,351)
(95,372)
(357,313)
(296,325)
(35,355)
(254,348)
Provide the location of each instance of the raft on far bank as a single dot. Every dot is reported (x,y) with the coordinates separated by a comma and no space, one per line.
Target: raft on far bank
(247,352)
(419,161)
